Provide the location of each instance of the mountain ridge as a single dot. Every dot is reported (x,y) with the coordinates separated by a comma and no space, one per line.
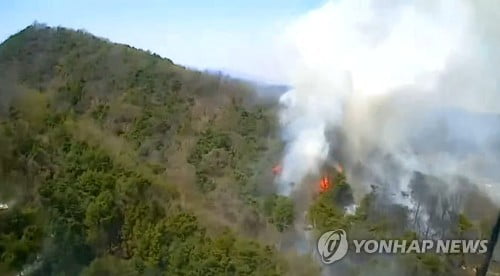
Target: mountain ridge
(113,146)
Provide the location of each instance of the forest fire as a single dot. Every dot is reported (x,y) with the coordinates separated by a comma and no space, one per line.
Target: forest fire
(324,184)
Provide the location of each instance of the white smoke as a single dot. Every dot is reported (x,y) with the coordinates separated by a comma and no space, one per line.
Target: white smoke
(414,80)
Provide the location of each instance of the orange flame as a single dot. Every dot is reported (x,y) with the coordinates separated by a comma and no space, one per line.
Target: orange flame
(324,184)
(277,169)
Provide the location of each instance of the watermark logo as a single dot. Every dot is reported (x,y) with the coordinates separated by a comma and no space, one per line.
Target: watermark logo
(332,246)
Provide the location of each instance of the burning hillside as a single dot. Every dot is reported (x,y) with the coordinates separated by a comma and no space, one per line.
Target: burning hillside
(391,98)
(407,89)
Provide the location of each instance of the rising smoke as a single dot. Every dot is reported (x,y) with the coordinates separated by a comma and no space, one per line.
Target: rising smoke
(412,86)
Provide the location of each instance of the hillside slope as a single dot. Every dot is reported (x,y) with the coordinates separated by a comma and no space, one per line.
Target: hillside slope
(130,164)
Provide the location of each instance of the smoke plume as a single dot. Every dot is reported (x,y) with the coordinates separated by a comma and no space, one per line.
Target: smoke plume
(412,86)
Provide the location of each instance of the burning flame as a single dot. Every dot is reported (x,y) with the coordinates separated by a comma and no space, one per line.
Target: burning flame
(324,185)
(277,169)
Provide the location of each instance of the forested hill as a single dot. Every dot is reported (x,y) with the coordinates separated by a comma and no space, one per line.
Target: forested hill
(115,161)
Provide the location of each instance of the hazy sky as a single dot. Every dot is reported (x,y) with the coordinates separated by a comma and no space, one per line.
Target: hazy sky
(236,36)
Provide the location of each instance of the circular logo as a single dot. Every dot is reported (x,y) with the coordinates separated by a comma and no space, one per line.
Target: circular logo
(332,246)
